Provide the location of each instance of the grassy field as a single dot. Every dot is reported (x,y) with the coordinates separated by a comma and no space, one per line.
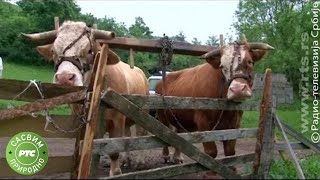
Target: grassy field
(289,114)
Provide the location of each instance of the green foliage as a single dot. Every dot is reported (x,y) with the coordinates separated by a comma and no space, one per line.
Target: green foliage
(280,24)
(42,12)
(213,41)
(284,169)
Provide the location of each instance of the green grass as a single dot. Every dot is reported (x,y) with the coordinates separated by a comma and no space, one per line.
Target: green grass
(281,169)
(290,114)
(26,73)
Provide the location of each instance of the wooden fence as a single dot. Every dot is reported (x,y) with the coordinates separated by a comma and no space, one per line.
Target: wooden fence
(92,146)
(132,106)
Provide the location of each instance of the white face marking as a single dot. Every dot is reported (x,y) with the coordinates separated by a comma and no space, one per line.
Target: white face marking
(226,61)
(69,68)
(67,33)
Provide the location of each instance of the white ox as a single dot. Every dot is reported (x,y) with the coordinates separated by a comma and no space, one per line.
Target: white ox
(72,49)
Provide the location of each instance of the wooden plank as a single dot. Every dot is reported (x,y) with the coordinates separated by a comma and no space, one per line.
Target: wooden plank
(9,88)
(164,133)
(291,152)
(165,102)
(299,137)
(10,127)
(112,145)
(265,135)
(95,86)
(154,46)
(58,164)
(101,130)
(41,104)
(294,145)
(182,169)
(56,22)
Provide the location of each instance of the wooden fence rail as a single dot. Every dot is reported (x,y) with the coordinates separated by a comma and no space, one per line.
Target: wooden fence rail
(112,145)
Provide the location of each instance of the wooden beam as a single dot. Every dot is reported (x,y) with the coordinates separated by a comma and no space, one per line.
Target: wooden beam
(265,135)
(9,88)
(95,86)
(10,127)
(289,149)
(153,45)
(101,130)
(299,137)
(56,22)
(294,145)
(166,102)
(182,169)
(41,105)
(112,145)
(152,125)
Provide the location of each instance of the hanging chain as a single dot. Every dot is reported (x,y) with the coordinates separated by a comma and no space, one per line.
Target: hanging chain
(166,51)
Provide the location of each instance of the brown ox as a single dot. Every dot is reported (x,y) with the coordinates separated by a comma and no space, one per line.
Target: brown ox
(228,73)
(72,48)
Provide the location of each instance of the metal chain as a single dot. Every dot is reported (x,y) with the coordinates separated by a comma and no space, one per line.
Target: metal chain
(166,51)
(49,119)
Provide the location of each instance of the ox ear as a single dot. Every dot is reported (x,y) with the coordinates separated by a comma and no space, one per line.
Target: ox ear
(257,54)
(46,51)
(113,58)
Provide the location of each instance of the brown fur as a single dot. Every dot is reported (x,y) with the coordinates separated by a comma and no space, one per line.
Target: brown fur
(205,80)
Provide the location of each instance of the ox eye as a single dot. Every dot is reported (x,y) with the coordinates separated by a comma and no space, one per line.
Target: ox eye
(220,66)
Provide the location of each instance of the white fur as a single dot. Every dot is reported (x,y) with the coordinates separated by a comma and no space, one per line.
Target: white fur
(226,61)
(68,67)
(67,33)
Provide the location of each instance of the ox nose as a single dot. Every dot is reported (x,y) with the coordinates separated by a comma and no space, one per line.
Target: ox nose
(65,78)
(239,91)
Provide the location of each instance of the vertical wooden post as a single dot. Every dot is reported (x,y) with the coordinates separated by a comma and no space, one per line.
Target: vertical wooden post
(101,130)
(131,59)
(221,40)
(265,135)
(56,22)
(95,86)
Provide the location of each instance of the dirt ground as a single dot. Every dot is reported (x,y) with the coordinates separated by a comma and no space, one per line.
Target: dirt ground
(153,158)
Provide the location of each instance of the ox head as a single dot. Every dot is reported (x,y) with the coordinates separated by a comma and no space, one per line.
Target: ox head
(236,61)
(72,49)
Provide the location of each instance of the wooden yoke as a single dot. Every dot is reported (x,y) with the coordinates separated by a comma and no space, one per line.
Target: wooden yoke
(94,92)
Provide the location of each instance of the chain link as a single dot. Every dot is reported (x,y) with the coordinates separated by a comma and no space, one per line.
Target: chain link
(166,51)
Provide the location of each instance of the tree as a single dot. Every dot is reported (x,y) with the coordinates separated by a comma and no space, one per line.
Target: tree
(196,41)
(140,29)
(213,41)
(44,11)
(179,37)
(281,24)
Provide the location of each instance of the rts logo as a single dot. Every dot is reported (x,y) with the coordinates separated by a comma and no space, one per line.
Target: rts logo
(27,153)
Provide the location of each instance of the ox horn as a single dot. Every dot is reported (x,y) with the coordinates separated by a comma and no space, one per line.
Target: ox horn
(212,53)
(48,36)
(101,34)
(256,45)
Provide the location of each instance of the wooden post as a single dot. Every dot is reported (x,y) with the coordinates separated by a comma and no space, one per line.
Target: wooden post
(95,86)
(265,135)
(221,40)
(101,130)
(56,22)
(131,59)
